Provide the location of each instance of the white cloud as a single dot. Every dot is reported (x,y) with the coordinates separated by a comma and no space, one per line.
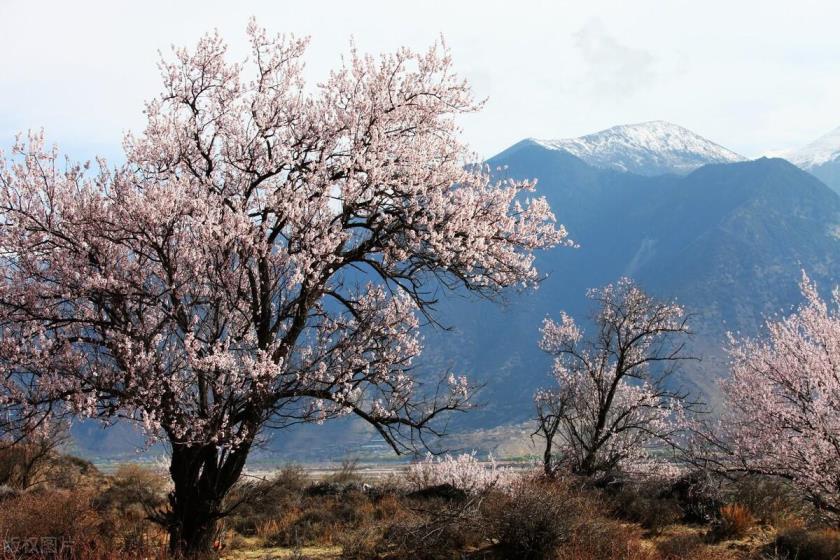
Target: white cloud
(612,69)
(752,75)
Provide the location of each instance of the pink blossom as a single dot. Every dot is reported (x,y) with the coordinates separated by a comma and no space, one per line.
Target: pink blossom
(782,398)
(266,254)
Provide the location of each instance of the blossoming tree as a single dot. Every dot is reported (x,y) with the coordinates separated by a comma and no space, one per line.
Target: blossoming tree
(264,258)
(613,401)
(782,402)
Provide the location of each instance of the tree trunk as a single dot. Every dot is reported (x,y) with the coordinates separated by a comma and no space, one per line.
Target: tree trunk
(587,467)
(549,466)
(202,476)
(548,463)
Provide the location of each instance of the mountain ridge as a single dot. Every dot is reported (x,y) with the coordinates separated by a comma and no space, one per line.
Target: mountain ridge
(821,158)
(822,150)
(726,240)
(647,148)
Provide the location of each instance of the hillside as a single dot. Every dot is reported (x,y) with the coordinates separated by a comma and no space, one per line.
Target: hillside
(728,241)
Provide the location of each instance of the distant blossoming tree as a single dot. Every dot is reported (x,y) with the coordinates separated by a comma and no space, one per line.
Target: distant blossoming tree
(612,403)
(264,258)
(782,401)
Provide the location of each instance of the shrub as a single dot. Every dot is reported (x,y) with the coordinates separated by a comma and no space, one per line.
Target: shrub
(258,503)
(801,544)
(432,535)
(26,455)
(693,546)
(361,544)
(353,508)
(682,546)
(7,492)
(770,500)
(441,492)
(536,516)
(133,491)
(426,526)
(312,526)
(329,488)
(50,513)
(604,539)
(698,494)
(733,522)
(347,473)
(646,505)
(71,473)
(318,520)
(71,523)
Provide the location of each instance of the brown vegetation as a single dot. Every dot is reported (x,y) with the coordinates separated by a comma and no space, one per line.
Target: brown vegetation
(291,515)
(83,514)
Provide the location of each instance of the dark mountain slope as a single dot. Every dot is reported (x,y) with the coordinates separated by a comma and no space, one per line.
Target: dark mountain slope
(728,241)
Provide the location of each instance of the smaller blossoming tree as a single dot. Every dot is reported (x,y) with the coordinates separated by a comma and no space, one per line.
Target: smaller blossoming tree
(464,472)
(782,413)
(613,402)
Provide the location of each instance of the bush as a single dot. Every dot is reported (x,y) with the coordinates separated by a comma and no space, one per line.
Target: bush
(646,505)
(57,514)
(320,519)
(770,500)
(353,508)
(68,521)
(692,546)
(70,473)
(7,492)
(537,516)
(604,539)
(259,503)
(432,535)
(26,456)
(347,473)
(683,546)
(802,544)
(440,491)
(698,494)
(330,488)
(362,544)
(430,527)
(313,526)
(132,492)
(733,522)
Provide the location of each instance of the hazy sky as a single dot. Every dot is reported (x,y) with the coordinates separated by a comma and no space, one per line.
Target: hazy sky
(755,76)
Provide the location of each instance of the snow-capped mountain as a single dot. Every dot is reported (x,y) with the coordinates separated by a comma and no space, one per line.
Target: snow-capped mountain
(822,150)
(649,148)
(821,158)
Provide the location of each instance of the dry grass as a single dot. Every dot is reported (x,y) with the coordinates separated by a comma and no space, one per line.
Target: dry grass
(643,504)
(86,514)
(734,522)
(314,552)
(802,544)
(606,539)
(289,516)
